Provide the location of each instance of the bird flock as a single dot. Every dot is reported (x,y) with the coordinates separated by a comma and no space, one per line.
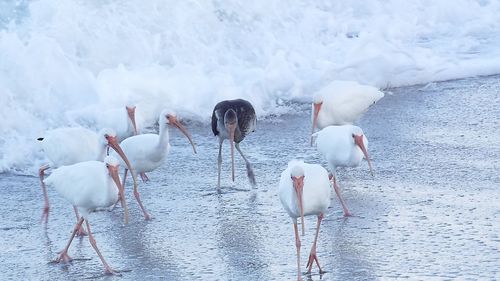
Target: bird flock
(85,171)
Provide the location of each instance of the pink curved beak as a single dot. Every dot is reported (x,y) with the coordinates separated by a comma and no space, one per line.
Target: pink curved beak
(298,184)
(113,143)
(131,115)
(231,128)
(317,108)
(113,171)
(176,123)
(358,139)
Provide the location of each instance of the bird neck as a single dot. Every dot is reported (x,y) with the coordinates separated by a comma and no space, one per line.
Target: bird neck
(163,135)
(102,152)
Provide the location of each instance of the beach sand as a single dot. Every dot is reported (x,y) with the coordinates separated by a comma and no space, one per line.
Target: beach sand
(430,212)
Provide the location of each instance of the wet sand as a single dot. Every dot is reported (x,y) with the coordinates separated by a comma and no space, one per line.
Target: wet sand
(430,212)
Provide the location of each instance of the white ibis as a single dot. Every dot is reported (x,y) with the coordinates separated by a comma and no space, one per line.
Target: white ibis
(305,190)
(342,146)
(67,146)
(124,120)
(88,185)
(342,103)
(233,120)
(148,151)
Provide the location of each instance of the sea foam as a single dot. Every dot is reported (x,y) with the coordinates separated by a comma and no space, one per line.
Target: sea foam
(59,59)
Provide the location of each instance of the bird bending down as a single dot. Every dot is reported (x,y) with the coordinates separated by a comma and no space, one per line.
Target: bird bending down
(124,120)
(233,120)
(342,146)
(305,190)
(148,151)
(341,103)
(88,185)
(67,146)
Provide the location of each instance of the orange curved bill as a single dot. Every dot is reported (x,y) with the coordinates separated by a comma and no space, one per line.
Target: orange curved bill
(185,132)
(317,107)
(298,184)
(358,139)
(231,129)
(131,115)
(114,144)
(113,171)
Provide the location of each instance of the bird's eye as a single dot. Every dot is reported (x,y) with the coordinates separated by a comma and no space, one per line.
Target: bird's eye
(107,165)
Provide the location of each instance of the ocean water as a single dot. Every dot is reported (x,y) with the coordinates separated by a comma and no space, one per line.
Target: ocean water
(61,58)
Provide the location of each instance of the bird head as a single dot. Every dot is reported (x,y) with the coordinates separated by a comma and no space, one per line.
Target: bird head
(130,108)
(107,135)
(230,122)
(168,116)
(171,119)
(297,172)
(230,118)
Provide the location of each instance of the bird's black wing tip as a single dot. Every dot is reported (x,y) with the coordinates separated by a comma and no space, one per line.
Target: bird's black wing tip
(39,139)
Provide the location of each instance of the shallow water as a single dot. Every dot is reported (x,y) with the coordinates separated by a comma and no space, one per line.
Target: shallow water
(430,212)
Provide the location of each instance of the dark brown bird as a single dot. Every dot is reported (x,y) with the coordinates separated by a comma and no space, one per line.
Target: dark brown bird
(233,120)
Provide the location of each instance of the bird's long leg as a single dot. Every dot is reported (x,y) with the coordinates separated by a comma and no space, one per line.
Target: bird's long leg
(81,230)
(297,245)
(337,191)
(219,162)
(124,177)
(107,268)
(250,174)
(41,174)
(144,177)
(312,256)
(64,254)
(138,198)
(123,184)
